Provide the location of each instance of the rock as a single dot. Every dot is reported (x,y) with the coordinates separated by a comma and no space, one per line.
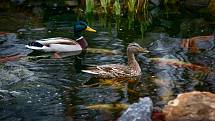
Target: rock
(18,2)
(194,27)
(11,73)
(155,2)
(197,3)
(212,6)
(7,58)
(192,106)
(6,95)
(140,111)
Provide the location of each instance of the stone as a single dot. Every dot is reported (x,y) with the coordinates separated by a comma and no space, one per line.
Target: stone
(197,3)
(155,2)
(140,111)
(211,7)
(191,106)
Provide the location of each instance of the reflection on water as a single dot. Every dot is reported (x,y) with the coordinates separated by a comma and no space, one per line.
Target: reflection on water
(37,87)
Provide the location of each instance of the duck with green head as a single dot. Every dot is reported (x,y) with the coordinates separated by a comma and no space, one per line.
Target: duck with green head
(60,44)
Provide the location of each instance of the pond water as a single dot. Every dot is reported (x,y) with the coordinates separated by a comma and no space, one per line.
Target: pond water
(40,88)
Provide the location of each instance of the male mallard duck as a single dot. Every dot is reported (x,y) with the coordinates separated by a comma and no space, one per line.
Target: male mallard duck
(117,70)
(60,44)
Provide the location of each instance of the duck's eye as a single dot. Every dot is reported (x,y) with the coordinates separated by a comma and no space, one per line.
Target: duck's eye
(135,45)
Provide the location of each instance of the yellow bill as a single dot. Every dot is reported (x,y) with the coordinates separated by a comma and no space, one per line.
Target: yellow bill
(90,29)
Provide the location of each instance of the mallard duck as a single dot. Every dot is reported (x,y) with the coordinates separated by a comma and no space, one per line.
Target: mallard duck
(120,71)
(60,44)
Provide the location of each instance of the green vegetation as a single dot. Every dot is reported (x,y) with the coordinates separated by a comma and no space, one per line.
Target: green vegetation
(117,8)
(89,6)
(131,5)
(105,4)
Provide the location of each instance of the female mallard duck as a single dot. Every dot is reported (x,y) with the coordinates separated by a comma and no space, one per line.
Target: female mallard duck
(117,70)
(60,44)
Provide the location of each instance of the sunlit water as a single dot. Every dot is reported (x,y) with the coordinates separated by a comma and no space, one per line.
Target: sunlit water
(39,88)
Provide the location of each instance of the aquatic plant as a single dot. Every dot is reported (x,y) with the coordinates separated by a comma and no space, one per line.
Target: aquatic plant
(144,26)
(118,22)
(142,6)
(131,5)
(117,8)
(144,19)
(89,6)
(104,4)
(130,19)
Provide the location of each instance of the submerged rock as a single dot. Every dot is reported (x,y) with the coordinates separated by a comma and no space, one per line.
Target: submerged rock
(192,106)
(6,95)
(155,2)
(140,111)
(197,3)
(13,73)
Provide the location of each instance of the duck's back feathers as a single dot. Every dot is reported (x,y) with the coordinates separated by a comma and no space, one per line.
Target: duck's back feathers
(57,44)
(57,40)
(110,71)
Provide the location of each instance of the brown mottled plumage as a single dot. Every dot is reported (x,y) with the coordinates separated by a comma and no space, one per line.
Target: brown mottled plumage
(120,71)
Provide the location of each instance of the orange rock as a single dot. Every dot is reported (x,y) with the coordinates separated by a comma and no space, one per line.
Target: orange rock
(158,116)
(191,43)
(14,57)
(181,64)
(192,106)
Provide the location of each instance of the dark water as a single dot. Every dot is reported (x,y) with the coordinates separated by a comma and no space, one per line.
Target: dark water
(39,88)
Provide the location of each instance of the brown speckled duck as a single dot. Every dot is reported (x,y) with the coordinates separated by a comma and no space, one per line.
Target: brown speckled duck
(120,71)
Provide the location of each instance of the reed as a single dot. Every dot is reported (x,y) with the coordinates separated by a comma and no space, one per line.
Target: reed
(117,8)
(89,6)
(142,6)
(145,21)
(131,5)
(131,16)
(104,4)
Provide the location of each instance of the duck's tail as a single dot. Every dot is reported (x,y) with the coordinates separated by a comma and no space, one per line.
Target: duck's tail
(34,46)
(90,72)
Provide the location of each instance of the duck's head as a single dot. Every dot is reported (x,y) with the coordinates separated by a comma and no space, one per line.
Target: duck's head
(136,48)
(81,26)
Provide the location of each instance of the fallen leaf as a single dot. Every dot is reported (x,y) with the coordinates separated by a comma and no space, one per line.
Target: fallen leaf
(103,51)
(109,107)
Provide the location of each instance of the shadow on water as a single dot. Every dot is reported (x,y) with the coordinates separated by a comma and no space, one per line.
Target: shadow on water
(38,87)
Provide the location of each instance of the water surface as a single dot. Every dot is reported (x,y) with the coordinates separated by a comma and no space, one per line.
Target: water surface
(40,88)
